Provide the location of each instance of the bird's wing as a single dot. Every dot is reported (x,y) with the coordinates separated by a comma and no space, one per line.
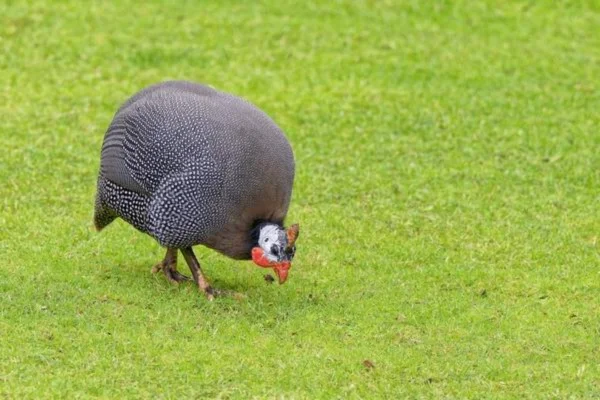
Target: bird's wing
(150,133)
(186,206)
(113,166)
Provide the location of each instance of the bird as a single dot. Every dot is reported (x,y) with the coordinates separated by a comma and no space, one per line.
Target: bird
(190,165)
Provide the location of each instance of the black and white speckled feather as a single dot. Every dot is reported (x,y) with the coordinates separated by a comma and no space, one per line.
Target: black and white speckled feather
(191,165)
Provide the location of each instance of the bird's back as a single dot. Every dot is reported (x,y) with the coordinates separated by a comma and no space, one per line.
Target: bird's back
(191,165)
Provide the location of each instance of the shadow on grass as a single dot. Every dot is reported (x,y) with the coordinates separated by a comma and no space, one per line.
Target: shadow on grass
(129,273)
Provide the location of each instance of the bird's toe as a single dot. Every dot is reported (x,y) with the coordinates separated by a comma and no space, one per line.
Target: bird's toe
(174,275)
(210,293)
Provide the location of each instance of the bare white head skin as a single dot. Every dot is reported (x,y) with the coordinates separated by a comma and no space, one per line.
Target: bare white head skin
(272,239)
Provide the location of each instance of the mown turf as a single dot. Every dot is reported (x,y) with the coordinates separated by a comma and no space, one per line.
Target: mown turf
(448,191)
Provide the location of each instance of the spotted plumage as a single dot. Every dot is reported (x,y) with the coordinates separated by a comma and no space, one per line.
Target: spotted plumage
(191,165)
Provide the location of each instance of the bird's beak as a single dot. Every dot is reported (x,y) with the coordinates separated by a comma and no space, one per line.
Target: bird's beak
(282,269)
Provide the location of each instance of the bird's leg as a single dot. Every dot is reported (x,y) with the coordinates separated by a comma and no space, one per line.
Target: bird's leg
(169,267)
(199,277)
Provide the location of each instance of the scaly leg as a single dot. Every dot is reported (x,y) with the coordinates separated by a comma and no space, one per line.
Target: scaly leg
(199,277)
(169,267)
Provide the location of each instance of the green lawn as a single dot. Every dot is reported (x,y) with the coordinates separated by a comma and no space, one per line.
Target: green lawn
(447,188)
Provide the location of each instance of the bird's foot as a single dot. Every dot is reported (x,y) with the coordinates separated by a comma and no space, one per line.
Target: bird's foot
(175,276)
(157,267)
(208,290)
(169,267)
(197,273)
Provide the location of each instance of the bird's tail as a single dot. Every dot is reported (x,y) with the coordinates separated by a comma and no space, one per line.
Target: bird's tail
(102,215)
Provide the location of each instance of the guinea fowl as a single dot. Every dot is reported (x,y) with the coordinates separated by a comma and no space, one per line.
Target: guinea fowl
(190,165)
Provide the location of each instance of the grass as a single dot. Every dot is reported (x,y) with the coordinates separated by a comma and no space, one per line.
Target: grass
(448,191)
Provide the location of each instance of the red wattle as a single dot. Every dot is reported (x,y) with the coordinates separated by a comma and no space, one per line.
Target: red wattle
(259,258)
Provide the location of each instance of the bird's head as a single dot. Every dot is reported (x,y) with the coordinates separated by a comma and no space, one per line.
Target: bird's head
(275,248)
